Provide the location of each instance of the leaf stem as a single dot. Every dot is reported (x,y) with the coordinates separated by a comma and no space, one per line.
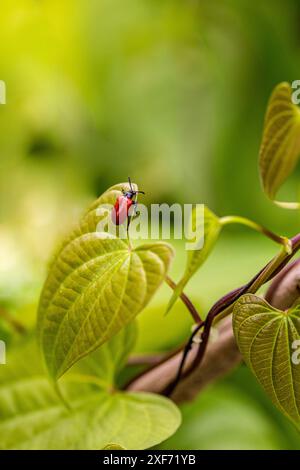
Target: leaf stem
(235,219)
(187,302)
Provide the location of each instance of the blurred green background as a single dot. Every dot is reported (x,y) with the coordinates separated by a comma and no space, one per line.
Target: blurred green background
(172,93)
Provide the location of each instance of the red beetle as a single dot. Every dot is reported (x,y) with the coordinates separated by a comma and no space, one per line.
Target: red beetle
(122,205)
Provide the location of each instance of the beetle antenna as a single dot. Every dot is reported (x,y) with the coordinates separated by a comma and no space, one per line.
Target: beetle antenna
(130,184)
(131,187)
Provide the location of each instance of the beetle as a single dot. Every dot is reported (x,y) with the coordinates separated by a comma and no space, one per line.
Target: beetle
(123,204)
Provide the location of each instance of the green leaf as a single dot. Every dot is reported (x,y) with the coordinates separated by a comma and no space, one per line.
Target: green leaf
(33,417)
(96,285)
(209,225)
(266,338)
(280,147)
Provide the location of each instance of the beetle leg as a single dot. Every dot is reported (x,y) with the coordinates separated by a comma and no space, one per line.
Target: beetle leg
(133,215)
(134,208)
(128,223)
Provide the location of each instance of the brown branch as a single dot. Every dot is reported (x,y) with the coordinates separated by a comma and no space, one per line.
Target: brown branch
(285,287)
(145,359)
(221,357)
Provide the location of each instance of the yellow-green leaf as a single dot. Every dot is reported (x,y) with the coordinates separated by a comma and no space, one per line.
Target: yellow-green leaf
(267,338)
(33,417)
(280,147)
(96,285)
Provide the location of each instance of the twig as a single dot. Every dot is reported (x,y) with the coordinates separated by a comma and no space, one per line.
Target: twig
(190,306)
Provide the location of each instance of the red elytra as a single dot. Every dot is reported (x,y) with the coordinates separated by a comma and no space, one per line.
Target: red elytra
(122,205)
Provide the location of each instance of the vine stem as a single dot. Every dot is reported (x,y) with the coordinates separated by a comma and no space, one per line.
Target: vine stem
(170,388)
(235,219)
(187,302)
(223,307)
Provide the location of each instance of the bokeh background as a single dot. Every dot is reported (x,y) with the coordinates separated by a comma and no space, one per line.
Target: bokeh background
(173,93)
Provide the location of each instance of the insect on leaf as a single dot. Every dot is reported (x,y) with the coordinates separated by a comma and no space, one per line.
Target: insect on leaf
(266,338)
(280,147)
(96,285)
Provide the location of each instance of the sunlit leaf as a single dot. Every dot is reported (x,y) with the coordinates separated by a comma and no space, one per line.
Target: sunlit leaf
(33,417)
(206,224)
(266,338)
(95,288)
(280,147)
(96,285)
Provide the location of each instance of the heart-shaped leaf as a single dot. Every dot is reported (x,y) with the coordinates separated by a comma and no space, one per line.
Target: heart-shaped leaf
(96,285)
(267,338)
(33,417)
(280,147)
(207,224)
